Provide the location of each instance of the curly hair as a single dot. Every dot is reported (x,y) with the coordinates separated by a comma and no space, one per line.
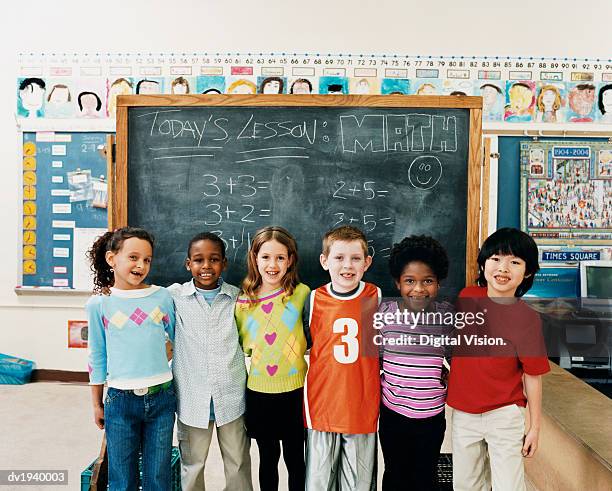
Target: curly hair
(422,248)
(111,241)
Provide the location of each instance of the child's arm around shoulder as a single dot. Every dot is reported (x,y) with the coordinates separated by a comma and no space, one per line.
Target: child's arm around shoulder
(241,318)
(168,309)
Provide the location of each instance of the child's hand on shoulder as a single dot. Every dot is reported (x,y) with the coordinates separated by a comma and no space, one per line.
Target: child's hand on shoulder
(169,349)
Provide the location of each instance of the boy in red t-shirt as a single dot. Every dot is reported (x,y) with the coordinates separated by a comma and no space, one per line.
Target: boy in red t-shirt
(489,386)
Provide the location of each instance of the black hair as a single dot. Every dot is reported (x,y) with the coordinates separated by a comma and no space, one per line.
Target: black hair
(98,101)
(143,81)
(334,88)
(301,81)
(457,92)
(600,97)
(212,91)
(207,236)
(281,83)
(111,241)
(26,82)
(511,241)
(422,248)
(585,87)
(492,86)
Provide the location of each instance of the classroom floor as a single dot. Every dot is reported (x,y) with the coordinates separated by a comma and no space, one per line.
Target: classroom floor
(50,426)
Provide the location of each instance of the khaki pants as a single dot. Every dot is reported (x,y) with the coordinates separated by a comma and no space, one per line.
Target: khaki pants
(487,450)
(235,445)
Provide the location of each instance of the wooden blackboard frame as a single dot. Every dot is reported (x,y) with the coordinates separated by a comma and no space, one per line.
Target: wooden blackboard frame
(119,209)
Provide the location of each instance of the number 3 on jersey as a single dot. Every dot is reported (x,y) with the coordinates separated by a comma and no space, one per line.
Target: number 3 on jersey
(348,352)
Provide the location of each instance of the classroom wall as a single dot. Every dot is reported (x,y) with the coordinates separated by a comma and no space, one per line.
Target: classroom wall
(35,327)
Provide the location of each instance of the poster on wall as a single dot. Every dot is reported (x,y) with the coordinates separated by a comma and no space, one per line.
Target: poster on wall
(566,192)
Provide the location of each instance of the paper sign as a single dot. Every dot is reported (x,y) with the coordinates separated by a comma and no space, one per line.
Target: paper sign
(62,208)
(60,282)
(60,192)
(57,179)
(60,269)
(57,164)
(58,150)
(61,252)
(61,237)
(63,224)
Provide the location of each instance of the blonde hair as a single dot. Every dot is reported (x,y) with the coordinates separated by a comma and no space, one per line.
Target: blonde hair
(556,104)
(241,82)
(345,233)
(252,281)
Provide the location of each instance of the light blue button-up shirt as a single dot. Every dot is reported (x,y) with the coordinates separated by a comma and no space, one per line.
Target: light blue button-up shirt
(208,362)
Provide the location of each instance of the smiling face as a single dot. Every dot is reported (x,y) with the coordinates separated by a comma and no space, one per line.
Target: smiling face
(346,263)
(425,172)
(273,261)
(131,263)
(206,263)
(504,274)
(418,285)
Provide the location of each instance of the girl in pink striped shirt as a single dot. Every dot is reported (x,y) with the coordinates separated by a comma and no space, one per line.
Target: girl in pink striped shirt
(415,342)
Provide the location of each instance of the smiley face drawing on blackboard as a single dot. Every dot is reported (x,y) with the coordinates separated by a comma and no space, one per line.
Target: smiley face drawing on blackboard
(425,172)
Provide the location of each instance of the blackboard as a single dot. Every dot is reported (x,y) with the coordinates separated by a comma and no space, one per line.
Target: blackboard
(392,166)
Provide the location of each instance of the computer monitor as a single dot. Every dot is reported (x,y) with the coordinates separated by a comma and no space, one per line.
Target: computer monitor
(596,279)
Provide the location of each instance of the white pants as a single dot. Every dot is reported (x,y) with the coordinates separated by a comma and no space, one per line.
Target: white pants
(487,450)
(235,445)
(338,461)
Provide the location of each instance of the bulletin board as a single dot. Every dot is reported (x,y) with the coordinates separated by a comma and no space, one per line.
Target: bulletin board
(65,196)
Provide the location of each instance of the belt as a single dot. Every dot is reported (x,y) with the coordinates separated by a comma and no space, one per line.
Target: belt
(152,390)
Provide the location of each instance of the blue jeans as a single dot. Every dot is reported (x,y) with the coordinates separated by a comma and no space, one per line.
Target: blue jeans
(135,424)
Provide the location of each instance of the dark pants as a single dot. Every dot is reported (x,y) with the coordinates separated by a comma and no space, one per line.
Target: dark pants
(293,455)
(410,448)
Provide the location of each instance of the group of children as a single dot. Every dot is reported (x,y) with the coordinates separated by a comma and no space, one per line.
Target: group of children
(350,389)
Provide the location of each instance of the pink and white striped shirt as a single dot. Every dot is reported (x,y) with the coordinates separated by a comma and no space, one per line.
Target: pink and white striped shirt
(411,379)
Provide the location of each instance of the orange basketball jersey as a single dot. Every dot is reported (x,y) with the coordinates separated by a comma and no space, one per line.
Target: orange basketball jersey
(342,390)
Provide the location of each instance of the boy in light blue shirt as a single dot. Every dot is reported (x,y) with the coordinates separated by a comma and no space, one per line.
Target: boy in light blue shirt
(209,368)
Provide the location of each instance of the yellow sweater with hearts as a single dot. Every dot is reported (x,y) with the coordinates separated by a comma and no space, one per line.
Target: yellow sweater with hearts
(271,332)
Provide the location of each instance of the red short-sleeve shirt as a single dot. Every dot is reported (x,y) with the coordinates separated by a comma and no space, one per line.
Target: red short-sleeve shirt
(478,384)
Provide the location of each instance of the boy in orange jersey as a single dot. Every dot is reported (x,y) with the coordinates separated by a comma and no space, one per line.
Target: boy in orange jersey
(342,394)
